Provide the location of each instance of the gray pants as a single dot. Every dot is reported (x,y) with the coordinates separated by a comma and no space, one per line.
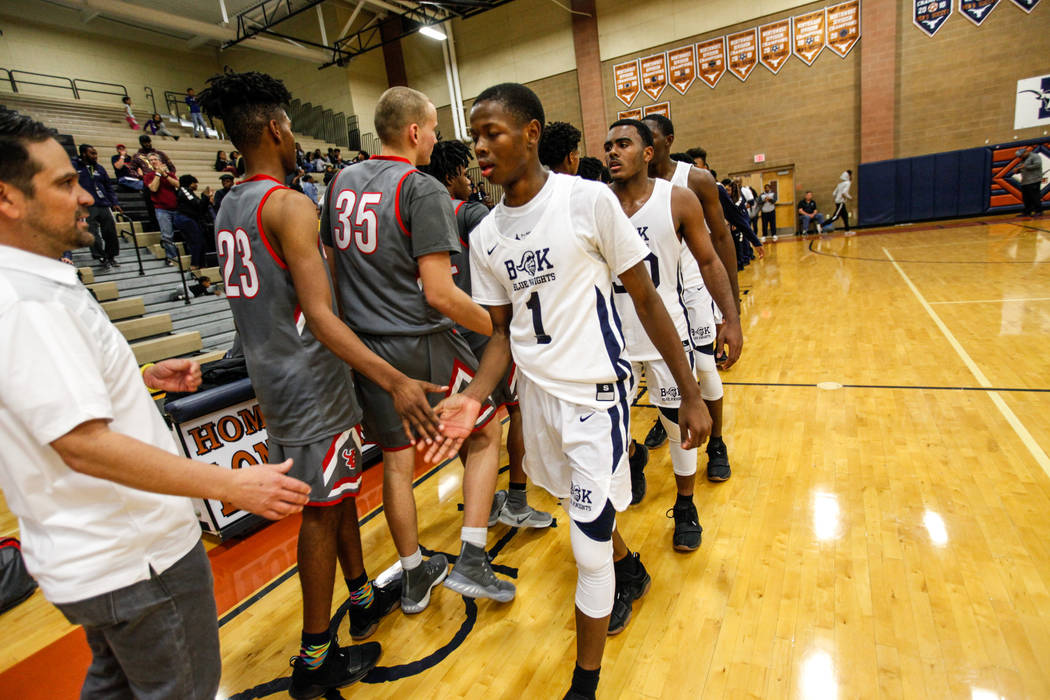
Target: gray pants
(155,639)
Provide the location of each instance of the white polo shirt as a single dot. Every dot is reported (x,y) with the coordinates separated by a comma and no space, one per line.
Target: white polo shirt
(64,364)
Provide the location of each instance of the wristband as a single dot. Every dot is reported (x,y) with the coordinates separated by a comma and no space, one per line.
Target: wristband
(142,371)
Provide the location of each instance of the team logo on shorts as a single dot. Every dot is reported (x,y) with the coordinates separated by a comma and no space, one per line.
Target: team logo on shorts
(581,497)
(349,455)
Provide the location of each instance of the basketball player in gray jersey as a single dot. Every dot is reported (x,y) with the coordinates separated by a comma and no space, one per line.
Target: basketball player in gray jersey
(388,231)
(279,290)
(448,165)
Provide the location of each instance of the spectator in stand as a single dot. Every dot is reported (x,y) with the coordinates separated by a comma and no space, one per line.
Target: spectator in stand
(698,157)
(155,125)
(1031,182)
(227,184)
(300,156)
(768,204)
(224,164)
(318,162)
(294,179)
(361,156)
(93,178)
(123,169)
(190,211)
(590,168)
(807,210)
(141,159)
(559,147)
(309,188)
(329,173)
(161,184)
(195,114)
(840,195)
(128,115)
(238,162)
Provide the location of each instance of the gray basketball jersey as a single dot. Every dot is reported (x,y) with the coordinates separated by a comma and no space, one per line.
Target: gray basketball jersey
(305,392)
(379,217)
(468,215)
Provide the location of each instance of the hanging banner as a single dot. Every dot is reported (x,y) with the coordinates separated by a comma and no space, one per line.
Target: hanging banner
(711,60)
(977,10)
(809,35)
(843,23)
(774,43)
(743,52)
(682,65)
(630,114)
(663,108)
(626,77)
(654,75)
(930,15)
(1032,106)
(1026,5)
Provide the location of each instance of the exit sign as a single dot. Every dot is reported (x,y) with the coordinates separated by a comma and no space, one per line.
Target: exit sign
(760,157)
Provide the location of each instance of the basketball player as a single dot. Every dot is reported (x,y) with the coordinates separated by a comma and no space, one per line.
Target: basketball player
(279,291)
(703,313)
(389,230)
(560,148)
(666,217)
(544,263)
(448,164)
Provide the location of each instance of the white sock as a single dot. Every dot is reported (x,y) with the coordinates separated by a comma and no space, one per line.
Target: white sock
(475,536)
(412,560)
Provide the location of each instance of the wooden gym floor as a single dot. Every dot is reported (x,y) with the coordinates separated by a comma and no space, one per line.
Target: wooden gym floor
(884,534)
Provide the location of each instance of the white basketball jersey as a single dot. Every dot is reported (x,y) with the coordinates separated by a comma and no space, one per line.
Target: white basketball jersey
(554,260)
(691,277)
(655,226)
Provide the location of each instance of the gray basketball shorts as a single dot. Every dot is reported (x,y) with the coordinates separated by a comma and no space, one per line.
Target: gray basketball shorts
(506,392)
(442,358)
(330,467)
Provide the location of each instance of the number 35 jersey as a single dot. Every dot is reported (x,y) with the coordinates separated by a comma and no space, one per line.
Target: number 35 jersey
(554,260)
(305,392)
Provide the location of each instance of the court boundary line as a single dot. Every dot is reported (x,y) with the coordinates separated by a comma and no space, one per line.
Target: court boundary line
(988,301)
(1022,432)
(922,262)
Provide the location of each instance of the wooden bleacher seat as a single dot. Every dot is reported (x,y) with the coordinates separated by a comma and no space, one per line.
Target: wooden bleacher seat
(104,291)
(144,327)
(124,308)
(166,346)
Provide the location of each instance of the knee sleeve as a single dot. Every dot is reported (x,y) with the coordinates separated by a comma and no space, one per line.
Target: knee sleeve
(708,377)
(683,462)
(596,580)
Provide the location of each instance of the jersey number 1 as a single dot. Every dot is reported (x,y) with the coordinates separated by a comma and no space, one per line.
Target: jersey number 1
(533,304)
(364,230)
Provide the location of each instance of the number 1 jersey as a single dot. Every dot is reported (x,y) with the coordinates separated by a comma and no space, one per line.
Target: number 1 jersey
(554,261)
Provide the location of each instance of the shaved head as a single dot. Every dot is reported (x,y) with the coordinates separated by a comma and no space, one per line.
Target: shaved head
(397,108)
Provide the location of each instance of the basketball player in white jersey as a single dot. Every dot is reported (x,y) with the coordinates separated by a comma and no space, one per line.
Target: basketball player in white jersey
(667,217)
(544,263)
(703,314)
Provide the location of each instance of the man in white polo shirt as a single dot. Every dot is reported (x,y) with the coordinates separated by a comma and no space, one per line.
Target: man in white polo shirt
(86,461)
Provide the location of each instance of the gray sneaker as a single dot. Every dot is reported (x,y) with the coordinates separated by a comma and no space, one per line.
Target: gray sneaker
(473,577)
(499,499)
(529,517)
(417,583)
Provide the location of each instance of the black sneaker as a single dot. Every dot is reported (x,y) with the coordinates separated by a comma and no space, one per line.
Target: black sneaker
(114,264)
(657,435)
(717,461)
(687,528)
(629,588)
(637,464)
(574,695)
(364,621)
(342,666)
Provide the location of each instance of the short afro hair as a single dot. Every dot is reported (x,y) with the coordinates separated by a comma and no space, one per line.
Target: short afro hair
(643,131)
(593,169)
(17,168)
(557,141)
(697,152)
(245,102)
(682,158)
(446,160)
(397,108)
(517,99)
(662,122)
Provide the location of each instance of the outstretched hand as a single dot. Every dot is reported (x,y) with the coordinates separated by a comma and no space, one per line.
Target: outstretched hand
(264,489)
(177,375)
(417,418)
(458,414)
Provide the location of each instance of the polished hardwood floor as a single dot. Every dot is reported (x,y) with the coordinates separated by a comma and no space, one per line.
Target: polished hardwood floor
(884,533)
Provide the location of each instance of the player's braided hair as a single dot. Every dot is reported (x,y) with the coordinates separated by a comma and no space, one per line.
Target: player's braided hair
(446,160)
(245,102)
(16,130)
(557,141)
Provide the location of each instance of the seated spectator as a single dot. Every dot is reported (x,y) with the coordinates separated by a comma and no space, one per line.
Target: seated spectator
(123,169)
(337,160)
(141,158)
(300,156)
(309,188)
(227,184)
(361,156)
(155,125)
(317,162)
(190,211)
(807,212)
(329,173)
(224,164)
(161,185)
(238,162)
(128,115)
(591,168)
(559,147)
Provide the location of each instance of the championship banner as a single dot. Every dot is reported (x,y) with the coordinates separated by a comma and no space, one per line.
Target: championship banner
(1032,106)
(977,11)
(1026,5)
(630,114)
(743,53)
(626,77)
(843,23)
(774,42)
(682,64)
(809,35)
(711,60)
(930,15)
(663,108)
(654,75)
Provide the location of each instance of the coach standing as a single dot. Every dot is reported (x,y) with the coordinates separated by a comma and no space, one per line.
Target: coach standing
(88,465)
(1031,182)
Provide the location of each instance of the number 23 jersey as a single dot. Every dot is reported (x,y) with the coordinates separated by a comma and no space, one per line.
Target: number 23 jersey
(554,261)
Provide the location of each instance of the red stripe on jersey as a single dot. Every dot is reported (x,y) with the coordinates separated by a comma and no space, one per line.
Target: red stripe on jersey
(397,198)
(259,225)
(461,203)
(257,178)
(397,158)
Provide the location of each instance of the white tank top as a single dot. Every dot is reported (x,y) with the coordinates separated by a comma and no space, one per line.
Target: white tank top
(691,277)
(656,227)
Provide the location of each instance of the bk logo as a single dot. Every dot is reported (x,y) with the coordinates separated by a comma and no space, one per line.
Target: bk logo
(531,262)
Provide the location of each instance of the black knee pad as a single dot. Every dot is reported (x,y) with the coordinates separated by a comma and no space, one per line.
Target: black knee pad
(601,528)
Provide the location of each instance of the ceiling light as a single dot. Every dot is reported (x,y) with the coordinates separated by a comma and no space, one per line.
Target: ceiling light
(432,33)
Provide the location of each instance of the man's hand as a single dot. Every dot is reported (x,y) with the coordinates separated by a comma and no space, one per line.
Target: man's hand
(264,489)
(417,418)
(695,422)
(760,251)
(458,414)
(179,375)
(729,333)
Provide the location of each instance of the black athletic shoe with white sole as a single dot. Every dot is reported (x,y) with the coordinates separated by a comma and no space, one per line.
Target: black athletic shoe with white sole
(687,530)
(630,586)
(657,435)
(342,666)
(717,461)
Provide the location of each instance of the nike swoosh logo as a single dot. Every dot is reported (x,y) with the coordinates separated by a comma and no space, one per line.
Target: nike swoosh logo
(492,249)
(583,418)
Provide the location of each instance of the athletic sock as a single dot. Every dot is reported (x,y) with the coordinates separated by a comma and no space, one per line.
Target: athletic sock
(585,682)
(516,497)
(361,591)
(475,536)
(412,560)
(314,649)
(683,501)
